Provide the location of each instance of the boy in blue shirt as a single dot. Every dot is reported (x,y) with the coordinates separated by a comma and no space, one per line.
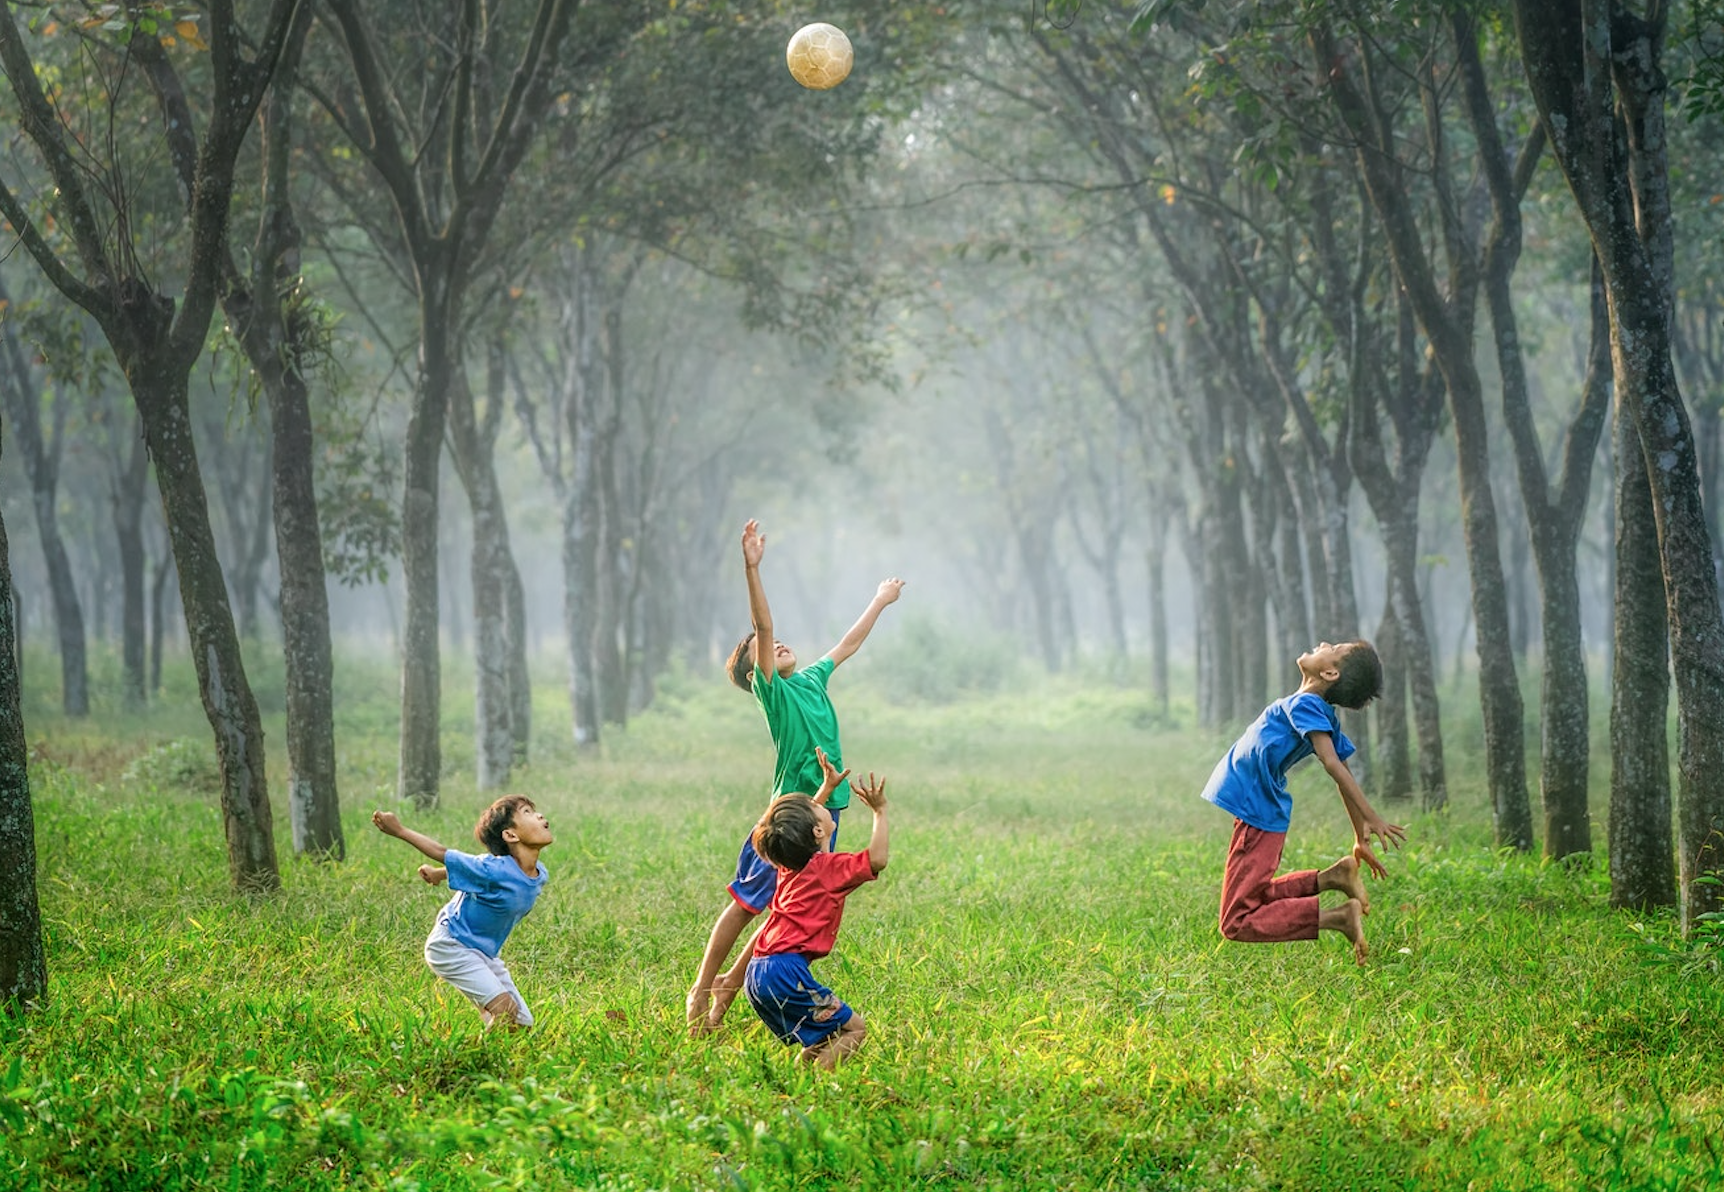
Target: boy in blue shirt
(1251,783)
(492,894)
(803,723)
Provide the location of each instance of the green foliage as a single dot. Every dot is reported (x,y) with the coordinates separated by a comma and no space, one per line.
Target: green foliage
(935,663)
(180,765)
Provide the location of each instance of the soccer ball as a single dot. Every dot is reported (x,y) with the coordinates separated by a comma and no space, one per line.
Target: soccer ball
(819,56)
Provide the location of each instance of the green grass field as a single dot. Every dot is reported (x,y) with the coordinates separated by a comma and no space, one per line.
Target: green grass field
(1050,1003)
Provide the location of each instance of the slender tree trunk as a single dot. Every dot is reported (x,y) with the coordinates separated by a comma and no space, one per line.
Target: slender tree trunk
(491,565)
(158,619)
(128,506)
(1642,867)
(23,962)
(520,679)
(1395,758)
(42,466)
(227,696)
(1160,688)
(421,764)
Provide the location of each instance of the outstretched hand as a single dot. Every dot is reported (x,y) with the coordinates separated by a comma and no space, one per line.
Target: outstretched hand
(387,822)
(1383,832)
(433,875)
(1364,856)
(872,792)
(753,543)
(832,776)
(888,590)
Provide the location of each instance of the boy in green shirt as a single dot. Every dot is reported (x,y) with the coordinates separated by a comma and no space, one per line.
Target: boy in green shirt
(801,719)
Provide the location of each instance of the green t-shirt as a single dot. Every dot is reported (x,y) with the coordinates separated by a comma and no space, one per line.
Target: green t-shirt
(800,715)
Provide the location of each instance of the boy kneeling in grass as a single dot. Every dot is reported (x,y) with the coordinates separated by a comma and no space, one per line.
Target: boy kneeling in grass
(1251,783)
(492,894)
(795,834)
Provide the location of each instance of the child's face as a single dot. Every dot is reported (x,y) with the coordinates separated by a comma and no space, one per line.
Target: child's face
(822,828)
(783,657)
(1323,661)
(530,827)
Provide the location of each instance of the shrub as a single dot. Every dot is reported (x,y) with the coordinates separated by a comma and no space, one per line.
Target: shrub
(178,765)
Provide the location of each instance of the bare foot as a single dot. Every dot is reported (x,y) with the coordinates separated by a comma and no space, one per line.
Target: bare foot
(823,1054)
(1353,927)
(1344,876)
(724,991)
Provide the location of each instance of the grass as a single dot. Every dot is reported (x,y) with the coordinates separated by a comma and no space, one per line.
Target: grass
(1051,1005)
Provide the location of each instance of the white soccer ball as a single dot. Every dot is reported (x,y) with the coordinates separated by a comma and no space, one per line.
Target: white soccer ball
(819,56)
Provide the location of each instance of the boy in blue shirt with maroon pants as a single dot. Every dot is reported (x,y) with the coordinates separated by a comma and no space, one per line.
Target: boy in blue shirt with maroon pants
(1251,783)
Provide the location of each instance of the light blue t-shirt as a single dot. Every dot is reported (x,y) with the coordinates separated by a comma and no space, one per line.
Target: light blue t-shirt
(1251,780)
(491,896)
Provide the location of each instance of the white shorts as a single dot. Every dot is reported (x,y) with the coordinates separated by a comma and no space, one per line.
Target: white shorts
(475,974)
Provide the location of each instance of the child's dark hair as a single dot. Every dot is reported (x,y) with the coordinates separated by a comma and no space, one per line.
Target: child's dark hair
(740,664)
(1361,678)
(785,834)
(495,819)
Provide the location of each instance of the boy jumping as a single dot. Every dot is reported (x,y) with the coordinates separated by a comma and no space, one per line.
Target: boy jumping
(795,834)
(1251,783)
(492,894)
(801,719)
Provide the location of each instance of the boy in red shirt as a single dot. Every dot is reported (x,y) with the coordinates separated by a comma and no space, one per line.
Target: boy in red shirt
(795,834)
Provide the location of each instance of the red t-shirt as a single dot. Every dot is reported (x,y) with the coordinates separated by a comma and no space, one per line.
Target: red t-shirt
(809,903)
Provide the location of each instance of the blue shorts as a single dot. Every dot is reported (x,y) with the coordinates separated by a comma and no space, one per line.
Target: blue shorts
(756,878)
(792,1004)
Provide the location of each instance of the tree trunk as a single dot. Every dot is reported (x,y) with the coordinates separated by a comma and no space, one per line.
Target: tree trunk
(1160,689)
(520,679)
(23,963)
(1395,757)
(227,696)
(158,619)
(42,466)
(491,564)
(128,506)
(1642,867)
(421,762)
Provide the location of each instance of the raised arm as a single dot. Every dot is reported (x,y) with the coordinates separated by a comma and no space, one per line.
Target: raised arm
(390,824)
(830,776)
(873,793)
(858,633)
(1367,824)
(753,547)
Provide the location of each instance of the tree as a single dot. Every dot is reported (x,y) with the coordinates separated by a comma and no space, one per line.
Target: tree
(21,393)
(1555,507)
(1354,77)
(1591,64)
(157,341)
(444,142)
(23,966)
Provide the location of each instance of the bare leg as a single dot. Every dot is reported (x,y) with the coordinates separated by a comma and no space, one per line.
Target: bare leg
(1344,876)
(725,929)
(1348,919)
(500,1011)
(837,1047)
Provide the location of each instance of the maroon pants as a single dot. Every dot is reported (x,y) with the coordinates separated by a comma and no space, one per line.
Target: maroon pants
(1257,906)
